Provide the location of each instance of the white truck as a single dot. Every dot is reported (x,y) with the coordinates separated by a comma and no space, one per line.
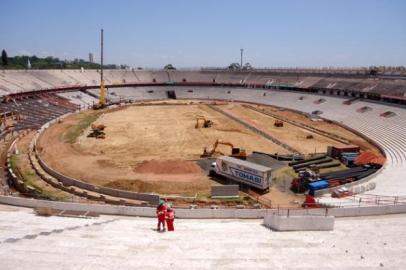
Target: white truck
(242,171)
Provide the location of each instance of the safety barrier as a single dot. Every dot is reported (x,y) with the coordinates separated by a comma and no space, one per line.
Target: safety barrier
(202,213)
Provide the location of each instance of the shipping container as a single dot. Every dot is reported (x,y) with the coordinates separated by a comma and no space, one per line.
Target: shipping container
(321,184)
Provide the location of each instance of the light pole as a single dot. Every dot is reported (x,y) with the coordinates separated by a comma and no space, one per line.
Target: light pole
(242,51)
(102,94)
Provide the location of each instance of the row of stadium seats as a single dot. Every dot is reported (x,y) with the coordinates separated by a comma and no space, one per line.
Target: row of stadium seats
(14,81)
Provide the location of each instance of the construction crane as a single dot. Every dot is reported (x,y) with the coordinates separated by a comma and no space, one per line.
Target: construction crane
(206,123)
(102,93)
(235,152)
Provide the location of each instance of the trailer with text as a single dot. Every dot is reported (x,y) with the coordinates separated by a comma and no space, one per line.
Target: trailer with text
(242,171)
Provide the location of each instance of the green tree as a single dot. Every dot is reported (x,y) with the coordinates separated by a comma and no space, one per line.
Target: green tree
(169,67)
(373,71)
(4,58)
(234,66)
(247,66)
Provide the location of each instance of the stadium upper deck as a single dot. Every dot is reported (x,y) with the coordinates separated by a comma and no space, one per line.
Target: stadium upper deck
(390,87)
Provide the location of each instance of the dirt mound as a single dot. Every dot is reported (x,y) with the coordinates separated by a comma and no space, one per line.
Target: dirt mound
(167,167)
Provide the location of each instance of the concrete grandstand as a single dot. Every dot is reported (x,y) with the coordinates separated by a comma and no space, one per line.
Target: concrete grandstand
(283,88)
(371,106)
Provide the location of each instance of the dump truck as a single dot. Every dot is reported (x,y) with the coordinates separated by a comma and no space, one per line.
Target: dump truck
(242,171)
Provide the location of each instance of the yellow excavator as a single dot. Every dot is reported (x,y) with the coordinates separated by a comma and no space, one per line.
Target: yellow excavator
(206,123)
(235,152)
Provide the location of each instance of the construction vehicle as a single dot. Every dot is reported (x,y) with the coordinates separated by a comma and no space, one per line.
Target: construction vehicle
(235,152)
(278,123)
(206,123)
(97,131)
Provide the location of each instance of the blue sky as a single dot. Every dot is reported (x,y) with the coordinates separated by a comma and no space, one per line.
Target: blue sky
(194,33)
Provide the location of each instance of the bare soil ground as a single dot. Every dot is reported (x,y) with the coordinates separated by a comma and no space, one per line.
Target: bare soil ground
(154,148)
(153,145)
(292,135)
(322,125)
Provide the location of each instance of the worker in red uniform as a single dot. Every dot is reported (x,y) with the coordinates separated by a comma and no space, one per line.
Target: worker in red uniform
(170,218)
(161,215)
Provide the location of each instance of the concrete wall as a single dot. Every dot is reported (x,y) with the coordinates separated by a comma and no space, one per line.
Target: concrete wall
(299,223)
(68,181)
(204,213)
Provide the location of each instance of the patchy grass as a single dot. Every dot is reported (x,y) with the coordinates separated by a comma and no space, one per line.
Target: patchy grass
(75,131)
(30,178)
(13,161)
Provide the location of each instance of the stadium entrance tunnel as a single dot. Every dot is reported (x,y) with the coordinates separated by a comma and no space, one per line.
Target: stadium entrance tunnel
(171,94)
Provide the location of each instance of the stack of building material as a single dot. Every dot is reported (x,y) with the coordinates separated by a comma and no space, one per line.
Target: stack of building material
(370,158)
(337,151)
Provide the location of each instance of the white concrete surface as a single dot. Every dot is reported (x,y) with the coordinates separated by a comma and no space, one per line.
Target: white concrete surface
(110,242)
(299,223)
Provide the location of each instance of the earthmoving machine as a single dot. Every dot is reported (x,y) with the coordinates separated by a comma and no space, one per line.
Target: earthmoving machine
(235,152)
(97,131)
(278,123)
(206,123)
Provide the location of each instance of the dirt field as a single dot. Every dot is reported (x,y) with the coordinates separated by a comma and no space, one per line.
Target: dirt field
(289,134)
(154,148)
(138,140)
(329,127)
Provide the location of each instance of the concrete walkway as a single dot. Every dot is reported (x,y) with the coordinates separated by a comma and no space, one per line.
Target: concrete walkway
(112,242)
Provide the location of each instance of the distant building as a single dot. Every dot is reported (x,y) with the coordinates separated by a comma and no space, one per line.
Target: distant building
(91,58)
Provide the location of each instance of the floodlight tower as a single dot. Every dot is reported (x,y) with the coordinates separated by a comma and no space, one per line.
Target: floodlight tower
(102,94)
(242,51)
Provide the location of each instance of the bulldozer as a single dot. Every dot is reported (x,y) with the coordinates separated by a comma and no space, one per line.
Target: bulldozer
(206,123)
(235,152)
(97,131)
